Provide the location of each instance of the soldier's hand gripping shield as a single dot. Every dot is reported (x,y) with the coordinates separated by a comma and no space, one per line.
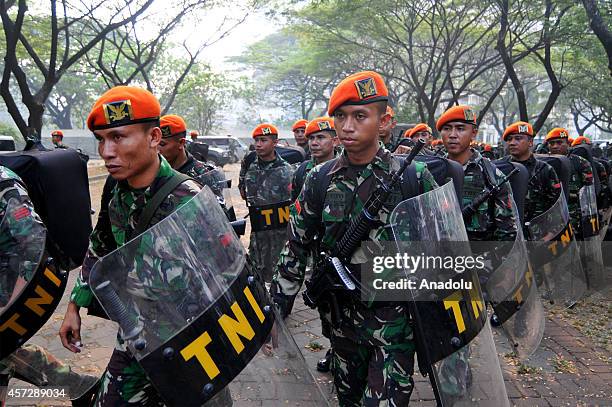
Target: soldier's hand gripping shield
(554,255)
(512,291)
(454,341)
(590,247)
(195,318)
(30,285)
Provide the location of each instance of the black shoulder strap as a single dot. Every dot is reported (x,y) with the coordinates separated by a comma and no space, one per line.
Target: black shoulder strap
(409,183)
(161,194)
(299,177)
(323,180)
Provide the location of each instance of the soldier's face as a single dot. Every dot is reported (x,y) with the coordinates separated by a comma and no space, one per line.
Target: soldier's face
(56,140)
(358,126)
(298,134)
(172,148)
(423,136)
(321,144)
(519,145)
(558,146)
(385,130)
(129,151)
(264,146)
(458,136)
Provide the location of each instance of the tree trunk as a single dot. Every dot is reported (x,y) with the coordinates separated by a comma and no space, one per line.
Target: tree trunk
(600,28)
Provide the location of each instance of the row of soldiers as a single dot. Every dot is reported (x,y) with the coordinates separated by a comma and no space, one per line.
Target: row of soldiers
(373,343)
(372,358)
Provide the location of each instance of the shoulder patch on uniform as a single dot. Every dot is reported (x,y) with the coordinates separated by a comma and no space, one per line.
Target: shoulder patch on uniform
(21,212)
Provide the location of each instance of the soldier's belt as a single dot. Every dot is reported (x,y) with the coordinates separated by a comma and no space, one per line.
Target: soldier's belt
(269,217)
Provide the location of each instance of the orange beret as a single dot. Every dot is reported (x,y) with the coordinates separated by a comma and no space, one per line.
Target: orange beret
(518,128)
(390,111)
(194,133)
(265,129)
(460,113)
(581,140)
(437,142)
(320,124)
(361,88)
(172,125)
(122,106)
(557,132)
(488,147)
(57,133)
(417,128)
(299,124)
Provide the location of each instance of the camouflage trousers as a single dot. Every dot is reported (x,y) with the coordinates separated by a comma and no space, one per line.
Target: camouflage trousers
(125,383)
(264,250)
(35,365)
(373,362)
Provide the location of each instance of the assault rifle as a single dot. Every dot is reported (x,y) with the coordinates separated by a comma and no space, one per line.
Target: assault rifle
(469,210)
(330,274)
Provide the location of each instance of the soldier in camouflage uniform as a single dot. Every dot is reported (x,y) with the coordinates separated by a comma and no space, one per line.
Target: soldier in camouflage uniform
(30,362)
(386,132)
(265,246)
(582,174)
(604,197)
(125,121)
(57,138)
(494,220)
(322,140)
(544,185)
(298,128)
(172,147)
(373,358)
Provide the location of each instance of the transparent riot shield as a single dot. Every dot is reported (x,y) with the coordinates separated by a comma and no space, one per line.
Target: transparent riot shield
(30,289)
(511,288)
(452,332)
(554,255)
(215,179)
(30,285)
(195,317)
(590,250)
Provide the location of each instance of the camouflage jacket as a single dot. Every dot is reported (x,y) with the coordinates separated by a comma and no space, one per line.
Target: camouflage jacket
(494,220)
(324,219)
(124,211)
(543,189)
(582,175)
(18,241)
(248,175)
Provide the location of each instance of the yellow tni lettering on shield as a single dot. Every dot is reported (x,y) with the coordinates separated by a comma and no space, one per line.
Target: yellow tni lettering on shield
(452,302)
(197,348)
(267,213)
(234,328)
